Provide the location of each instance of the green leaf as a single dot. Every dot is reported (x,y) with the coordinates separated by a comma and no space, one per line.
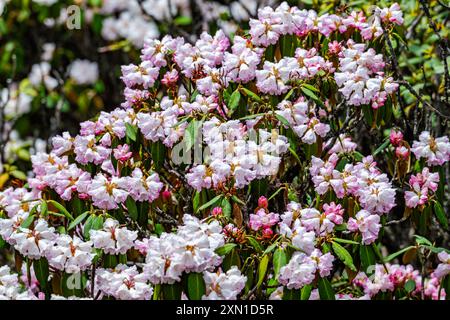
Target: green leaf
(192,133)
(44,208)
(306,292)
(182,21)
(196,286)
(326,292)
(367,257)
(237,200)
(18,174)
(282,119)
(61,209)
(410,285)
(172,291)
(225,249)
(158,151)
(255,243)
(27,222)
(270,248)
(312,95)
(346,241)
(279,260)
(251,94)
(310,87)
(73,284)
(440,214)
(231,259)
(132,208)
(396,254)
(41,269)
(234,100)
(422,240)
(210,203)
(226,207)
(131,131)
(343,255)
(382,147)
(262,270)
(77,220)
(291,294)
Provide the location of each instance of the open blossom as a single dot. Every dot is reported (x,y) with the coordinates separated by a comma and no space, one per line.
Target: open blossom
(443,268)
(145,74)
(123,283)
(392,14)
(122,153)
(366,223)
(34,243)
(88,150)
(191,249)
(112,238)
(144,188)
(313,220)
(223,285)
(263,219)
(107,192)
(435,150)
(273,77)
(301,269)
(333,212)
(422,186)
(70,254)
(71,180)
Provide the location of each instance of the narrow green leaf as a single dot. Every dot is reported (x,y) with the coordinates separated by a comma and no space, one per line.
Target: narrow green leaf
(382,147)
(210,203)
(262,270)
(255,243)
(326,292)
(279,260)
(132,208)
(77,220)
(225,249)
(440,214)
(367,257)
(396,254)
(41,270)
(251,94)
(343,255)
(196,286)
(131,131)
(346,241)
(234,100)
(61,209)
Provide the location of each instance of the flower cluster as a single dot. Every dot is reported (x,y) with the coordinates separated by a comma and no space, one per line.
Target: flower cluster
(190,249)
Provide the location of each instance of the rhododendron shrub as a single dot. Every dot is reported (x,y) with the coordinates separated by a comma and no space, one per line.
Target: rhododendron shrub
(236,168)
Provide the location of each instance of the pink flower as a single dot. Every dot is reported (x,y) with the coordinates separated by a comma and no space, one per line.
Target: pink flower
(263,202)
(170,78)
(262,219)
(122,153)
(435,150)
(334,212)
(402,152)
(368,224)
(396,137)
(392,14)
(216,211)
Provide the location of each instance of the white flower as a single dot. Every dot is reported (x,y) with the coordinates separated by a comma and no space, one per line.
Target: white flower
(70,254)
(113,239)
(83,72)
(223,286)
